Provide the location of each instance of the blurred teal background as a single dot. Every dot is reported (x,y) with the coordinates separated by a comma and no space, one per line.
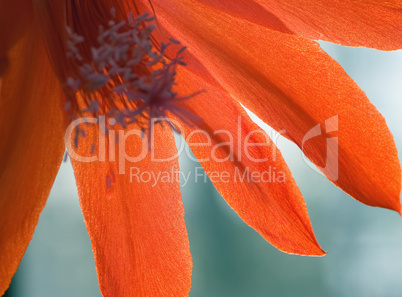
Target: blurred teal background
(364,244)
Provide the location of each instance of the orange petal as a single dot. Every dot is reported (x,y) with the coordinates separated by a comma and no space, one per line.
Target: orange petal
(15,16)
(374,23)
(136,226)
(292,84)
(250,172)
(31,148)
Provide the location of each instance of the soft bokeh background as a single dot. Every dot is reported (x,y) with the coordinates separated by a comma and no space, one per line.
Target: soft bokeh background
(364,244)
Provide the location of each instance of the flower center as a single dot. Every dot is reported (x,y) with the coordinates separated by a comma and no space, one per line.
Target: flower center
(126,77)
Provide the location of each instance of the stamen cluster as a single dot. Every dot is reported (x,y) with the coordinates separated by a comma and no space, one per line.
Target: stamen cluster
(126,78)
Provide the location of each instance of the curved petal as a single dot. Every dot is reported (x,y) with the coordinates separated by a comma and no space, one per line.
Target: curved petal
(247,169)
(292,84)
(15,16)
(375,23)
(135,222)
(31,148)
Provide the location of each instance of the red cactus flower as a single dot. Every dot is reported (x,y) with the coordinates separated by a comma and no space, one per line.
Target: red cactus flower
(259,53)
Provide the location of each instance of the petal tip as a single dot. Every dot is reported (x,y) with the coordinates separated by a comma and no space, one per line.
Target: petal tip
(319,253)
(322,254)
(396,206)
(311,251)
(398,209)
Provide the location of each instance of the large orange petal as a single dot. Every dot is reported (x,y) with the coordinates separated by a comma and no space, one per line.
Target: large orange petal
(247,168)
(31,148)
(292,84)
(374,23)
(15,16)
(136,226)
